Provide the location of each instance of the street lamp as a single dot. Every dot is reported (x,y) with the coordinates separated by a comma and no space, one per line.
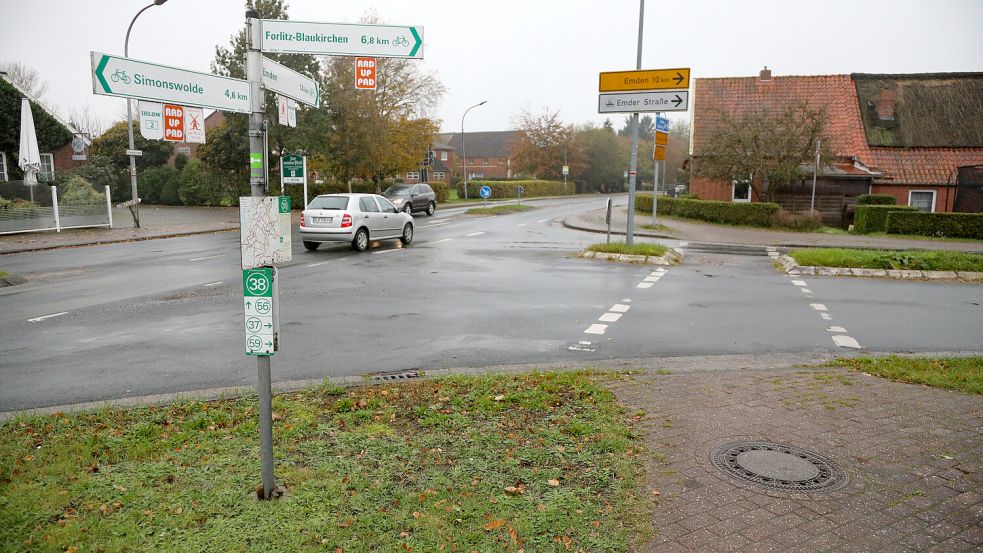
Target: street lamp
(464,150)
(135,208)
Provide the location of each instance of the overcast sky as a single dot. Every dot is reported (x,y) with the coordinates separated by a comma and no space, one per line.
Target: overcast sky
(528,54)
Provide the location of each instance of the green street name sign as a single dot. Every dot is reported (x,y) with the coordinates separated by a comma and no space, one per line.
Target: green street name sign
(341,39)
(130,78)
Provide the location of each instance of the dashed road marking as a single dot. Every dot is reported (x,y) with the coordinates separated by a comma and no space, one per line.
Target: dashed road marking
(620,307)
(582,345)
(542,220)
(683,244)
(609,317)
(596,329)
(475,234)
(207,257)
(644,285)
(213,284)
(626,300)
(652,278)
(826,316)
(835,329)
(442,240)
(522,224)
(845,341)
(818,306)
(389,250)
(806,291)
(799,282)
(39,319)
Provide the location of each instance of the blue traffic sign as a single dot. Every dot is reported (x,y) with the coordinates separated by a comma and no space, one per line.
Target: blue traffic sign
(661,124)
(485,192)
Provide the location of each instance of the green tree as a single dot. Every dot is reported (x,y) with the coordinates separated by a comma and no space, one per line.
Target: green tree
(606,159)
(51,134)
(115,141)
(646,128)
(541,144)
(101,172)
(153,181)
(195,187)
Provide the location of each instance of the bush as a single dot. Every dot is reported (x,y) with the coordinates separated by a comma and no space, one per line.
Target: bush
(876,199)
(753,214)
(78,191)
(154,180)
(5,203)
(441,190)
(956,225)
(195,186)
(805,220)
(100,172)
(180,161)
(507,188)
(873,218)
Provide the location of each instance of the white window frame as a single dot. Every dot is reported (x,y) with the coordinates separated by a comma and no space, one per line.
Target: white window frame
(443,155)
(934,197)
(413,174)
(3,167)
(47,177)
(733,192)
(438,175)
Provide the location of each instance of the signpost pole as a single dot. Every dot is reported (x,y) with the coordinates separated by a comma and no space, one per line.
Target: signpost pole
(305,181)
(257,173)
(630,234)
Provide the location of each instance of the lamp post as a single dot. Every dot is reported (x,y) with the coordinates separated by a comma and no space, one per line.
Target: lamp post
(464,149)
(135,208)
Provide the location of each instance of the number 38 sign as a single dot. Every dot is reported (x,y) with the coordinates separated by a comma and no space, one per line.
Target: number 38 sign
(261,323)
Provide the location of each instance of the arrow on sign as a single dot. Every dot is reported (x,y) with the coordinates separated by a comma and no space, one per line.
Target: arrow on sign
(677,101)
(419,41)
(679,78)
(249,304)
(268,325)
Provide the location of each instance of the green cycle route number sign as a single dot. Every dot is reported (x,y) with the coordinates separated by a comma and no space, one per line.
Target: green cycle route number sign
(258,308)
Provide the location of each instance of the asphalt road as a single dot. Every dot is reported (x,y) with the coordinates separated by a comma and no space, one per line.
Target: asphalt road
(164,316)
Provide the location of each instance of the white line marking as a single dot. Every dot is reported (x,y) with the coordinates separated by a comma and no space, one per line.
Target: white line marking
(434,224)
(609,317)
(442,240)
(826,316)
(771,248)
(522,224)
(818,306)
(207,257)
(652,278)
(845,341)
(542,220)
(214,283)
(773,255)
(794,273)
(683,244)
(620,308)
(644,285)
(799,282)
(318,263)
(626,300)
(835,329)
(805,290)
(39,319)
(387,251)
(475,234)
(596,329)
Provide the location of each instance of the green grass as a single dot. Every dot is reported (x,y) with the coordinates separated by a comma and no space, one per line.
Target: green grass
(889,259)
(499,209)
(635,249)
(659,228)
(544,462)
(919,237)
(3,274)
(964,374)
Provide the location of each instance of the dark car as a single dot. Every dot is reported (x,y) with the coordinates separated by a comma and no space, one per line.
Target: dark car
(412,197)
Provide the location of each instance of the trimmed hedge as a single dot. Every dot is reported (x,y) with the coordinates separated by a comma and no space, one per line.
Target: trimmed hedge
(873,218)
(756,214)
(441,190)
(956,225)
(876,199)
(506,188)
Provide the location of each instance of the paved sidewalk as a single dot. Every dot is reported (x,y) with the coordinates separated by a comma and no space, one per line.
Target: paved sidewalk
(913,456)
(695,231)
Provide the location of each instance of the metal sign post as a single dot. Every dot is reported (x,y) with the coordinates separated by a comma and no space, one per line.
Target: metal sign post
(607,219)
(632,172)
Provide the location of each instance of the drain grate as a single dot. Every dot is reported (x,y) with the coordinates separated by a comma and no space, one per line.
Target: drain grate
(779,466)
(398,375)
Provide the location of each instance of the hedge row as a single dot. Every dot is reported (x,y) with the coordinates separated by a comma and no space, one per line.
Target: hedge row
(507,188)
(754,214)
(876,199)
(956,225)
(873,218)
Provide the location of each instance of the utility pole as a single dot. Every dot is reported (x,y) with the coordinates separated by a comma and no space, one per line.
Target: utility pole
(630,233)
(257,183)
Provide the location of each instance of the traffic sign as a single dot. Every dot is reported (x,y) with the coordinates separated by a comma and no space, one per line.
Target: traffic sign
(293,169)
(341,39)
(661,138)
(130,78)
(287,82)
(661,124)
(173,123)
(639,102)
(194,125)
(365,73)
(151,120)
(566,170)
(645,79)
(485,192)
(264,230)
(259,308)
(659,153)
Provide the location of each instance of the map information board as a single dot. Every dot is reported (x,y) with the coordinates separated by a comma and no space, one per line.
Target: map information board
(264,230)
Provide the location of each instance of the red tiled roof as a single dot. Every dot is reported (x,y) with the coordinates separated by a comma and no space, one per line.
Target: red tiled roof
(838,94)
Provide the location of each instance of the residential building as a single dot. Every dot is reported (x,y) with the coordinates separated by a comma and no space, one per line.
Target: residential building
(489,153)
(902,135)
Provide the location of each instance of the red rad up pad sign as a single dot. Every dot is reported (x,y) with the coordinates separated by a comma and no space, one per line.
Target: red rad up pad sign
(365,73)
(173,123)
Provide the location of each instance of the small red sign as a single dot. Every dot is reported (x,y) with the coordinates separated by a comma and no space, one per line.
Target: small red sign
(173,123)
(365,73)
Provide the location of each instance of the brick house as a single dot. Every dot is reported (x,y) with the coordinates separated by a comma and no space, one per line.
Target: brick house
(903,135)
(438,170)
(489,157)
(56,156)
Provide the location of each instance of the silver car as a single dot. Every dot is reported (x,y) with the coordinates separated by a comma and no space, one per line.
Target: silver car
(355,218)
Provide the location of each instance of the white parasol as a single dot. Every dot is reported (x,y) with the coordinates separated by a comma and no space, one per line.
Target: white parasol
(30,158)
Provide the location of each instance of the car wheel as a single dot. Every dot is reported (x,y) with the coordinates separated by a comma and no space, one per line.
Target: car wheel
(431,209)
(361,241)
(407,236)
(311,246)
(408,208)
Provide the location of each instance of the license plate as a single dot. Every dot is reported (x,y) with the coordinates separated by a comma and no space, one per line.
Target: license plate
(322,219)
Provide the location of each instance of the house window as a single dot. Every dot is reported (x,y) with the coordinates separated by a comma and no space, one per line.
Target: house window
(443,155)
(741,190)
(3,167)
(47,167)
(439,175)
(413,175)
(186,150)
(924,200)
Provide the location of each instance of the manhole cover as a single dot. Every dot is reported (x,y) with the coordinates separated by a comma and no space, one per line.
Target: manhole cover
(779,466)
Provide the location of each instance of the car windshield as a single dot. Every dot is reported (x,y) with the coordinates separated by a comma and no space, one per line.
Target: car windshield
(398,191)
(329,202)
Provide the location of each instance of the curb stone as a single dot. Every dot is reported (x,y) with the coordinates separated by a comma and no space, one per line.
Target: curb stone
(672,257)
(788,265)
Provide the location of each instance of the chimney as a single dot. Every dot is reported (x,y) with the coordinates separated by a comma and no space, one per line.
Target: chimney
(765,75)
(885,106)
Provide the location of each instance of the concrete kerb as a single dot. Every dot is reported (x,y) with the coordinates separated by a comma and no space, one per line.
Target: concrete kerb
(787,264)
(673,256)
(570,223)
(82,244)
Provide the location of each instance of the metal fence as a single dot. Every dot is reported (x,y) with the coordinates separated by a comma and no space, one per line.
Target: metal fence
(45,213)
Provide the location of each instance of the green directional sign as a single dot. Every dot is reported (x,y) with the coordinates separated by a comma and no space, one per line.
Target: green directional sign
(257,282)
(258,299)
(130,78)
(342,39)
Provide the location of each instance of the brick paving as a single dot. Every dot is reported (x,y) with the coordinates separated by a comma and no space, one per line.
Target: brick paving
(913,455)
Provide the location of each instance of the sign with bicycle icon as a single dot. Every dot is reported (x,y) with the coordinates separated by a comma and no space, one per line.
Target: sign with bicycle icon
(260,322)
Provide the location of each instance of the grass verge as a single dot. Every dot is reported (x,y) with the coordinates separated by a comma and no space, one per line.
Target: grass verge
(659,228)
(499,209)
(889,259)
(635,249)
(964,374)
(540,462)
(3,274)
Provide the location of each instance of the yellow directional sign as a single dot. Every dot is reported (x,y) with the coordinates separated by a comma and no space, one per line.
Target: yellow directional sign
(659,153)
(661,138)
(646,79)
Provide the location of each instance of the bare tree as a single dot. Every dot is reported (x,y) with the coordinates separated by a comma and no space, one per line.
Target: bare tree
(25,77)
(85,121)
(541,143)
